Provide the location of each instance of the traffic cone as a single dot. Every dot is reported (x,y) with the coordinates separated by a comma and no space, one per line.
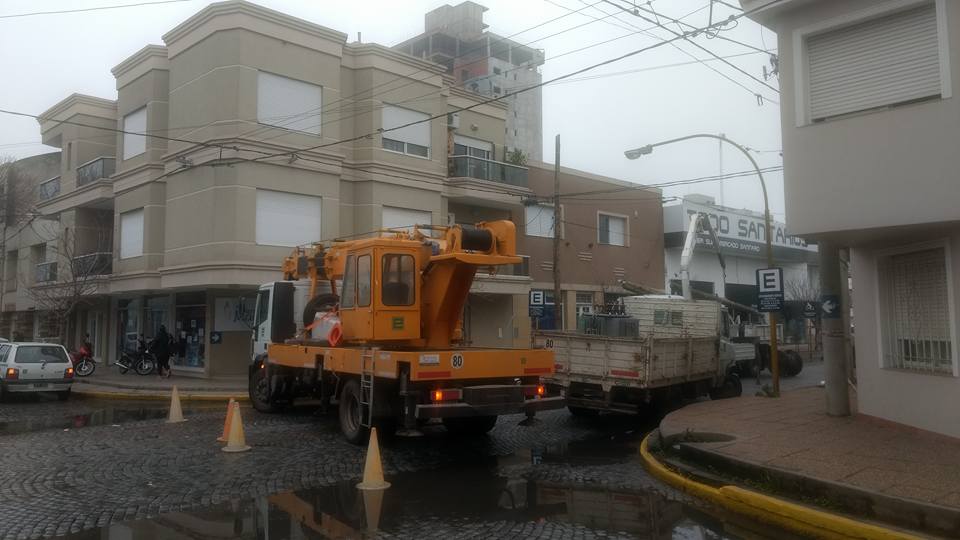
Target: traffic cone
(236,442)
(226,423)
(176,413)
(373,469)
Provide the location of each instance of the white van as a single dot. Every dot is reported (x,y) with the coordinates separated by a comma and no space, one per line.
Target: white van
(35,367)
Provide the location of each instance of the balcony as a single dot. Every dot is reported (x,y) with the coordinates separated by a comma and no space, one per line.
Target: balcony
(93,264)
(46,272)
(488,170)
(94,170)
(49,189)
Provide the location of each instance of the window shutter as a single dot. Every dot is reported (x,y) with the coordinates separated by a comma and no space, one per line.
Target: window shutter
(415,134)
(883,61)
(404,218)
(289,103)
(135,122)
(131,234)
(287,219)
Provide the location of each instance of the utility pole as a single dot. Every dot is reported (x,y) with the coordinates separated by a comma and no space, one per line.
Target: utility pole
(831,324)
(557,293)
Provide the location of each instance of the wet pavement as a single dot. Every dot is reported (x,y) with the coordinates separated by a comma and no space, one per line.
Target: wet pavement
(125,474)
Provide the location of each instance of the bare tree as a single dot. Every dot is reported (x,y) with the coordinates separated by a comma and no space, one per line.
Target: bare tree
(802,290)
(71,278)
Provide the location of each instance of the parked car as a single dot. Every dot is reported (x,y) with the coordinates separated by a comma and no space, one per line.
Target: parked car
(35,367)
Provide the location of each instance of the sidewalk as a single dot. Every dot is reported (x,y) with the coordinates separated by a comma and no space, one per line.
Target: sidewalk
(107,382)
(858,464)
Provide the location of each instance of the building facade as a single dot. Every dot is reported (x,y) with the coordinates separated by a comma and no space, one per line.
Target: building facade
(870,126)
(487,64)
(249,132)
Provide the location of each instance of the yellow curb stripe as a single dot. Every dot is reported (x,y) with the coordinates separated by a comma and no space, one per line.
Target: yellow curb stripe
(790,516)
(159,397)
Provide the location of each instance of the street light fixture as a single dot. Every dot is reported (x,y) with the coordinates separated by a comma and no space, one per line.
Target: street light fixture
(648,149)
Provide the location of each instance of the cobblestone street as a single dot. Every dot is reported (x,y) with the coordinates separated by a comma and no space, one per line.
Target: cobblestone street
(127,468)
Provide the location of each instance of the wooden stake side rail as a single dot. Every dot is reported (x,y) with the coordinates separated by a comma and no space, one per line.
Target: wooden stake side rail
(427,365)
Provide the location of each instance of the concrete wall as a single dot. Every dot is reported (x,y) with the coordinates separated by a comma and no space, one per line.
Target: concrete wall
(926,401)
(880,168)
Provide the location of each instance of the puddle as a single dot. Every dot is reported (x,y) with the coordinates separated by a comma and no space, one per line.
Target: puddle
(463,502)
(87,416)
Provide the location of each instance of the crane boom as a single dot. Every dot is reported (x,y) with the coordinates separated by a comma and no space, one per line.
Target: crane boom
(698,222)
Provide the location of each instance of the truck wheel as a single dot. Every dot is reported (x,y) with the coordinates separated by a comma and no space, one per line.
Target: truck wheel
(792,364)
(730,388)
(259,391)
(471,425)
(349,413)
(581,411)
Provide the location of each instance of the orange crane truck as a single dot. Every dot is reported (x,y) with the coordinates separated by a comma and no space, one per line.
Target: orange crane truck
(374,326)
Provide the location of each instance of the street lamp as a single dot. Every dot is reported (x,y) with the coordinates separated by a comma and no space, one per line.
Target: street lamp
(648,149)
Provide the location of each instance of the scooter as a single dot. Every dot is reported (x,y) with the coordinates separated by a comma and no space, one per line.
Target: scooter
(83,363)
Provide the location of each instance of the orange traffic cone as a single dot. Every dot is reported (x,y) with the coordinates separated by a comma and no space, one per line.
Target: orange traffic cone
(226,424)
(236,442)
(176,413)
(373,468)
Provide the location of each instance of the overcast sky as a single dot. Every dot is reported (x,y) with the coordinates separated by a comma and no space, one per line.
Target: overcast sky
(47,57)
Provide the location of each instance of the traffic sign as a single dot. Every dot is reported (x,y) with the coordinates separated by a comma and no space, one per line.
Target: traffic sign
(535,311)
(770,289)
(810,310)
(830,306)
(536,298)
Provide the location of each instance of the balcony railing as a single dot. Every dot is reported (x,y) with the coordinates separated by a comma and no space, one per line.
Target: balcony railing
(49,189)
(485,169)
(94,170)
(520,269)
(93,264)
(46,272)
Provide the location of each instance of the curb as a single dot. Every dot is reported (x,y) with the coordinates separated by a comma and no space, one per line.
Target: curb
(778,512)
(184,396)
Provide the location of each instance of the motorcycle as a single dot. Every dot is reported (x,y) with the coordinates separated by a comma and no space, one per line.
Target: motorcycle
(83,363)
(142,361)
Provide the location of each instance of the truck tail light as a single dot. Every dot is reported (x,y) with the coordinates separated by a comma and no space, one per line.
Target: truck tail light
(68,373)
(446,394)
(541,390)
(13,373)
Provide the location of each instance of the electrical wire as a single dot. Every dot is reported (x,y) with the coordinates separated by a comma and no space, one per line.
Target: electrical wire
(98,8)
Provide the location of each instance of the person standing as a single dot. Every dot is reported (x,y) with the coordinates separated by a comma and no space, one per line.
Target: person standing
(161,349)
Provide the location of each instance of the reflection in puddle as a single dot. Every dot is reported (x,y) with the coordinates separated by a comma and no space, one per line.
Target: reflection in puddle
(465,502)
(98,417)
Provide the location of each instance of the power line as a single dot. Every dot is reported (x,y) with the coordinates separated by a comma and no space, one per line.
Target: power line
(509,94)
(99,8)
(671,183)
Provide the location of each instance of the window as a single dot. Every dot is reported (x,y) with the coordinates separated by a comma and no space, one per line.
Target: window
(37,355)
(883,61)
(348,295)
(4,352)
(287,219)
(131,234)
(288,103)
(468,146)
(660,317)
(413,139)
(497,71)
(538,220)
(263,307)
(399,286)
(135,122)
(404,218)
(676,318)
(612,230)
(915,311)
(363,281)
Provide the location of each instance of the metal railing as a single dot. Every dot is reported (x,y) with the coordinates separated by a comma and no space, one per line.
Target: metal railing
(93,170)
(486,169)
(49,189)
(93,264)
(46,272)
(520,269)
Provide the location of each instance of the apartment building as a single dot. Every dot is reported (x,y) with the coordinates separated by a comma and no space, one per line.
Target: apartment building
(249,132)
(488,64)
(870,129)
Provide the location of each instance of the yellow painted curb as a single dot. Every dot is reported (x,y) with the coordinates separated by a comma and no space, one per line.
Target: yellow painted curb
(778,512)
(159,397)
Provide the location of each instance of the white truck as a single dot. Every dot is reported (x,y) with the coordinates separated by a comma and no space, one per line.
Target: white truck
(672,348)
